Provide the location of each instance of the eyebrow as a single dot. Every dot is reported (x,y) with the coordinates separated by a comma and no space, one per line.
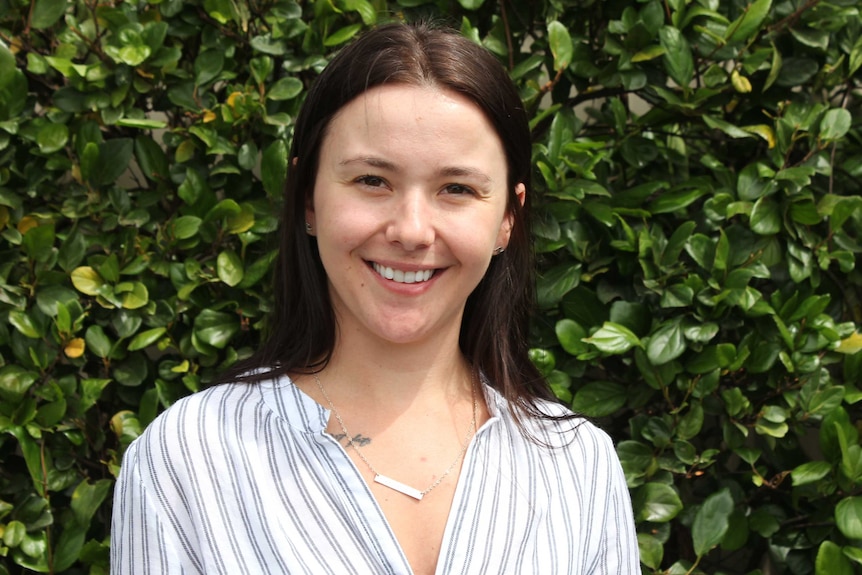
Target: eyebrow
(448,171)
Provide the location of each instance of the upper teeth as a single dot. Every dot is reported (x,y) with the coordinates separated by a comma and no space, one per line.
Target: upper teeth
(402,276)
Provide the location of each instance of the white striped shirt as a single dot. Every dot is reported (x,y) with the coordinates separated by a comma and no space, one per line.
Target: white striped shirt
(243,479)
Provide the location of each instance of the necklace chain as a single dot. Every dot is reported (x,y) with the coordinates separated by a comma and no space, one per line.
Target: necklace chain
(387,481)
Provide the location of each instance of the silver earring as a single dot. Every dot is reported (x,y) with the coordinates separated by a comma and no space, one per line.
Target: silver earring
(308,228)
(499,250)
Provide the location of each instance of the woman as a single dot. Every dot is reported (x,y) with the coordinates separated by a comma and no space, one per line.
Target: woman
(392,422)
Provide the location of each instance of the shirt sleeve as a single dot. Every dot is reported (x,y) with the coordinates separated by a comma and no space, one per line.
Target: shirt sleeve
(620,554)
(141,542)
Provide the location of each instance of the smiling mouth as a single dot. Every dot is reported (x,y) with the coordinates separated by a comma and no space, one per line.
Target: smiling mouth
(403,277)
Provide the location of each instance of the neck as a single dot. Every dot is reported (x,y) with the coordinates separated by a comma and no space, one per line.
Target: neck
(379,369)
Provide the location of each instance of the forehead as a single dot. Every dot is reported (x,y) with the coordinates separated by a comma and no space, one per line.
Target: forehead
(427,122)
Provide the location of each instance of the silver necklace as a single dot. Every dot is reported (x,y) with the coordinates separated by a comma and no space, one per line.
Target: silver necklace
(388,481)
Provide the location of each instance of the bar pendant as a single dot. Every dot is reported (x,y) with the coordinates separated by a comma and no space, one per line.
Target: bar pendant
(399,487)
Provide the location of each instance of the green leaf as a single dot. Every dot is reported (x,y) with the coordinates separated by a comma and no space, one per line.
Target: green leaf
(193,187)
(133,295)
(39,241)
(367,10)
(112,160)
(22,321)
(746,25)
(613,338)
(241,221)
(91,391)
(229,267)
(599,398)
(69,545)
(561,45)
(848,516)
(46,13)
(556,283)
(835,124)
(14,382)
(208,65)
(853,553)
(52,137)
(656,502)
(543,359)
(14,533)
(261,68)
(831,560)
(810,472)
(146,338)
(342,35)
(675,200)
(273,168)
(151,158)
(186,227)
(142,123)
(97,341)
(132,371)
(666,344)
(711,521)
(471,4)
(823,401)
(87,498)
(765,217)
(691,423)
(651,550)
(285,89)
(266,44)
(570,335)
(215,328)
(678,60)
(726,127)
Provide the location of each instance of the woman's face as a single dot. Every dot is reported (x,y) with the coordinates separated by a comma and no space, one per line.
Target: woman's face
(409,204)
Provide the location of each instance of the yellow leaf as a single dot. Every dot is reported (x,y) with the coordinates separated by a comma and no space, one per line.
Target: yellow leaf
(850,345)
(740,83)
(87,280)
(231,100)
(764,131)
(185,151)
(75,348)
(209,116)
(26,224)
(181,368)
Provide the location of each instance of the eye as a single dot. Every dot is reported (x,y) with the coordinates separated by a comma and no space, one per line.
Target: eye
(371,181)
(459,189)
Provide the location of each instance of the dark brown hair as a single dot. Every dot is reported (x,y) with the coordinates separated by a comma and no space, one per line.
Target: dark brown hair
(496,318)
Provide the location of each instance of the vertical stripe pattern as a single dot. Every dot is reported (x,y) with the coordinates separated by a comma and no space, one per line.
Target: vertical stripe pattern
(242,479)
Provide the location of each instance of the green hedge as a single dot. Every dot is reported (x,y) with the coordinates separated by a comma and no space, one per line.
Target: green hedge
(698,225)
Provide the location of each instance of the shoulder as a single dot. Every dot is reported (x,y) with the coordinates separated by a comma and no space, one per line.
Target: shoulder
(201,409)
(561,438)
(196,424)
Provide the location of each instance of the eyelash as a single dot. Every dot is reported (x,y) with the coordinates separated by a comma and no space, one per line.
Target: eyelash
(462,189)
(376,182)
(367,180)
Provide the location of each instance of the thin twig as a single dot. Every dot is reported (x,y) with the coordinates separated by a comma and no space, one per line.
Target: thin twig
(788,20)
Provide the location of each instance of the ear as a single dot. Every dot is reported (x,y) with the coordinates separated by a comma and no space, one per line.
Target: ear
(310,224)
(309,206)
(509,219)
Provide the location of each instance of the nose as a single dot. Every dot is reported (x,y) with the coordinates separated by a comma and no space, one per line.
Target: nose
(411,221)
